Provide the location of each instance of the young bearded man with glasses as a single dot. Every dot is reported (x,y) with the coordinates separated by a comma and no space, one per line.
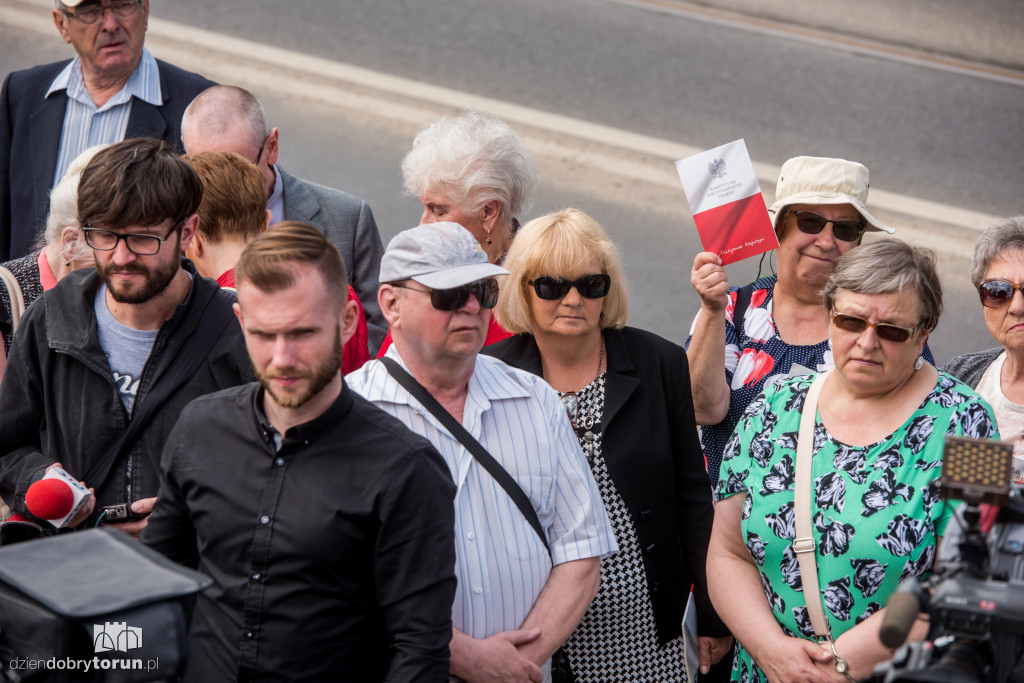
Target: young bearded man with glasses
(112,90)
(102,341)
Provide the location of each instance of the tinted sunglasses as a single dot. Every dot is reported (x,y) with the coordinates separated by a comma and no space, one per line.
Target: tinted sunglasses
(885,331)
(589,286)
(811,223)
(485,291)
(998,293)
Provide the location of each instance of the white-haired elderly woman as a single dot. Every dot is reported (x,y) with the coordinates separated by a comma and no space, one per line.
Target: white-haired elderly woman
(875,450)
(62,250)
(472,169)
(998,374)
(627,393)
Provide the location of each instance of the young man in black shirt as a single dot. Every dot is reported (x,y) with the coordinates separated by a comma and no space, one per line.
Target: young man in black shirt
(326,525)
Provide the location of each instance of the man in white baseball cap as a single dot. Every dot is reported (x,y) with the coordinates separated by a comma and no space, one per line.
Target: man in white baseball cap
(523,584)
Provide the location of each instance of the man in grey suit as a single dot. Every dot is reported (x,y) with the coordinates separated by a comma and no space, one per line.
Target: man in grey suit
(226,118)
(112,90)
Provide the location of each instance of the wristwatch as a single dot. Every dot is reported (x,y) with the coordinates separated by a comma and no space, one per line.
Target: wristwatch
(842,666)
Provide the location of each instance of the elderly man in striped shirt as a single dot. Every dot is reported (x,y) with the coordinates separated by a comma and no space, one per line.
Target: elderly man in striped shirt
(113,90)
(523,584)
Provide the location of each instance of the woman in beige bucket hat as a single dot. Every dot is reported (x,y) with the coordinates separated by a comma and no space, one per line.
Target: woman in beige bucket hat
(782,326)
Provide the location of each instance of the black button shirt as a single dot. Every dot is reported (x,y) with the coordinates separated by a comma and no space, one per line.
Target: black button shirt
(332,556)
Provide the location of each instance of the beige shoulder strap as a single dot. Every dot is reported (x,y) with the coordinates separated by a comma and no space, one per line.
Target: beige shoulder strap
(15,296)
(803,543)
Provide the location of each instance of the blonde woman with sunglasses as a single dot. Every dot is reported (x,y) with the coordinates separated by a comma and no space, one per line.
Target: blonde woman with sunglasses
(874,440)
(998,374)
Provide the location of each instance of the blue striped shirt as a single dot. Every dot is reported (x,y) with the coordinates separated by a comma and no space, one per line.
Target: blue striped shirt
(85,124)
(501,563)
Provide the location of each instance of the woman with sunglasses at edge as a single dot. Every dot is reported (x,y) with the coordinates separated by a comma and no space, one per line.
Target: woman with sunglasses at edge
(627,393)
(819,214)
(875,446)
(998,374)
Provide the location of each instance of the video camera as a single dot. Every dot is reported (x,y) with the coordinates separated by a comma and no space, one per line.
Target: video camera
(975,599)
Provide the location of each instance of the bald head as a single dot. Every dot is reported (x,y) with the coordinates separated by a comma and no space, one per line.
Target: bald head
(226,118)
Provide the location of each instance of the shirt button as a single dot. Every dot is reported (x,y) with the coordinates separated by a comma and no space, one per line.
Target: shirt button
(279,462)
(264,519)
(478,590)
(257,577)
(471,536)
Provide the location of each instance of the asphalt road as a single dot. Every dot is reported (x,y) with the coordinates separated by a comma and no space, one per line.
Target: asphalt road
(927,134)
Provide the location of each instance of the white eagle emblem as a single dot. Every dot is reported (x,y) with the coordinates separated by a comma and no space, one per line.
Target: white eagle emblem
(717,168)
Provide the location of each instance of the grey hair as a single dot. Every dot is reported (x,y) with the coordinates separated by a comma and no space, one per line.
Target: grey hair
(998,238)
(477,159)
(220,108)
(886,266)
(64,205)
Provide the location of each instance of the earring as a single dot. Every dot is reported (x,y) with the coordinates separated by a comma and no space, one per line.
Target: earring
(919,363)
(489,240)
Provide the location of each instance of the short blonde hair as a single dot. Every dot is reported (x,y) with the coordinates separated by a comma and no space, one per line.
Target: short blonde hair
(558,244)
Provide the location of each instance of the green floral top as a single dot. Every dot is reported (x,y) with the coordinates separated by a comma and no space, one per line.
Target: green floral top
(877,508)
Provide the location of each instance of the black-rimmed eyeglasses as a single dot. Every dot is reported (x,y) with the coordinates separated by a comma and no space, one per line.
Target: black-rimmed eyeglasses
(122,9)
(485,291)
(139,244)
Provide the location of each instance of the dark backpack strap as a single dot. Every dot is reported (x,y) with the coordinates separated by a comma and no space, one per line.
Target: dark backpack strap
(472,445)
(193,352)
(743,295)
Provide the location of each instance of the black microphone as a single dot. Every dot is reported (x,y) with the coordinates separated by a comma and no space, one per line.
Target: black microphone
(901,612)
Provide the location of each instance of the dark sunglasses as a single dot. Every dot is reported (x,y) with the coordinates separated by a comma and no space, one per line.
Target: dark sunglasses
(485,291)
(998,293)
(589,286)
(811,223)
(885,331)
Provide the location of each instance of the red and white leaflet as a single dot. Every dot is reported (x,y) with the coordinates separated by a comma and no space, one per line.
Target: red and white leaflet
(726,202)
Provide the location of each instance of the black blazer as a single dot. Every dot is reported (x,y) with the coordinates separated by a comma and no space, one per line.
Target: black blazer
(649,441)
(30,132)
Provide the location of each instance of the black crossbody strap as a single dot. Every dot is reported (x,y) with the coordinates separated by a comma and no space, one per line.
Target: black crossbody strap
(193,352)
(743,297)
(472,445)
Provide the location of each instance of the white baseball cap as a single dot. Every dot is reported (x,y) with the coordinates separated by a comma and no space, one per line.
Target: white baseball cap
(437,255)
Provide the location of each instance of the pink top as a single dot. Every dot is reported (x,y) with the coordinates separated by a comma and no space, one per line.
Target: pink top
(46,277)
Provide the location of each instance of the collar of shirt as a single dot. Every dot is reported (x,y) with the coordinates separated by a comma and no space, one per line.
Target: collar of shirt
(488,383)
(304,434)
(143,83)
(276,200)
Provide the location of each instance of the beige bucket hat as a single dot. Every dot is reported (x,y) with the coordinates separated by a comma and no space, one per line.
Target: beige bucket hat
(822,180)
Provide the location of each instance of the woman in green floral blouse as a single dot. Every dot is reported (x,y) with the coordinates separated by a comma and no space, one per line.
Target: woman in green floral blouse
(882,419)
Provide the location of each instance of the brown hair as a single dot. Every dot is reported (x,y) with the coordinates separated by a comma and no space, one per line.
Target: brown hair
(140,181)
(271,261)
(234,205)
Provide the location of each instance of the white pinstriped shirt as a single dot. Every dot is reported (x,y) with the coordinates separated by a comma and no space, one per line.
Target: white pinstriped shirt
(501,563)
(85,124)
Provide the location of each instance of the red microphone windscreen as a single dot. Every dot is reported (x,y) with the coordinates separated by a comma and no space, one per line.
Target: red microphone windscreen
(49,499)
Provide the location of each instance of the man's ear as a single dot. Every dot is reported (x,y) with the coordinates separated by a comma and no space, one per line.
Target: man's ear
(349,320)
(266,220)
(270,147)
(238,314)
(188,231)
(61,21)
(388,299)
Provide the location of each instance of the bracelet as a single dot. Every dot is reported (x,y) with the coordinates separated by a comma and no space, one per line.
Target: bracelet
(842,666)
